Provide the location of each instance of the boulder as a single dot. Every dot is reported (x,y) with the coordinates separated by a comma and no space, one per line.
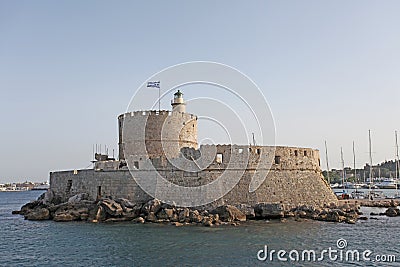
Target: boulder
(38,214)
(153,205)
(216,218)
(247,210)
(184,215)
(130,214)
(177,224)
(66,217)
(174,218)
(194,216)
(151,217)
(228,213)
(78,198)
(100,215)
(139,220)
(84,216)
(29,207)
(126,204)
(350,221)
(111,207)
(269,210)
(165,214)
(207,221)
(301,214)
(392,212)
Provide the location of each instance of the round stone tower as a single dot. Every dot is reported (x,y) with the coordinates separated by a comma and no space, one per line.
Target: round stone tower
(154,134)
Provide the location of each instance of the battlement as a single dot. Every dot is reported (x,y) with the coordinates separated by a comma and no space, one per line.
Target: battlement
(157,113)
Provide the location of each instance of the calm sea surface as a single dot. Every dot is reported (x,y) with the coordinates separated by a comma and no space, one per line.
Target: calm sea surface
(46,243)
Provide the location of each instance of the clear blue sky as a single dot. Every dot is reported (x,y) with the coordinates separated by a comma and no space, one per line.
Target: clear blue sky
(329,69)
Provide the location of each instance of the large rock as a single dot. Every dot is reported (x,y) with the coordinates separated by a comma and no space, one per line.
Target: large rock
(228,213)
(38,214)
(392,212)
(207,221)
(194,216)
(138,220)
(153,205)
(165,214)
(111,207)
(29,207)
(151,217)
(78,198)
(71,213)
(66,217)
(126,204)
(247,210)
(184,215)
(100,215)
(269,210)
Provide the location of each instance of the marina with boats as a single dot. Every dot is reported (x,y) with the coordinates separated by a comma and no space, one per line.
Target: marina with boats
(26,186)
(372,187)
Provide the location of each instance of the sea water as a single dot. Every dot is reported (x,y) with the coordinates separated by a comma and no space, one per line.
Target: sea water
(48,243)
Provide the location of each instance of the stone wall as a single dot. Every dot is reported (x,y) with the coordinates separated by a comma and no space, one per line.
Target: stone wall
(292,176)
(96,184)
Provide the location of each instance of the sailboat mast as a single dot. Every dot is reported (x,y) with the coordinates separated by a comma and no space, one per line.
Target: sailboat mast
(397,160)
(354,165)
(370,157)
(327,163)
(343,173)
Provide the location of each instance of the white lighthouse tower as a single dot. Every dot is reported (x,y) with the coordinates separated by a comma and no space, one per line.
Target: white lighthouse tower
(178,104)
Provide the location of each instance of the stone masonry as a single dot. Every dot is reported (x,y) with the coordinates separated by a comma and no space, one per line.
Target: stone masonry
(166,142)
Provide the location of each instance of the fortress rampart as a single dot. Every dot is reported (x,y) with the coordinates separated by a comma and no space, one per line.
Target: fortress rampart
(164,143)
(291,180)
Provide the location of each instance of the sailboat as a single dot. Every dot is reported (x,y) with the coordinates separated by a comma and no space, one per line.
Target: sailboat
(356,194)
(396,161)
(336,185)
(344,194)
(372,194)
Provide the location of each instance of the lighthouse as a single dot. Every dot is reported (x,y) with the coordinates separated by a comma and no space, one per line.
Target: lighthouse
(178,104)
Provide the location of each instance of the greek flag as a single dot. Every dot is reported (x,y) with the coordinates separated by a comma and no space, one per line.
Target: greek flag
(153,84)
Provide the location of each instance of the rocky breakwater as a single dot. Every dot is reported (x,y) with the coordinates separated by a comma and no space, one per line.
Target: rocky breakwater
(79,208)
(343,213)
(391,211)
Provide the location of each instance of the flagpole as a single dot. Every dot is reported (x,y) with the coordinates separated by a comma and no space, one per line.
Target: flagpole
(156,85)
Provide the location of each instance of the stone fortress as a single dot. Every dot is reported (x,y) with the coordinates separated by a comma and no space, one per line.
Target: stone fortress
(165,142)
